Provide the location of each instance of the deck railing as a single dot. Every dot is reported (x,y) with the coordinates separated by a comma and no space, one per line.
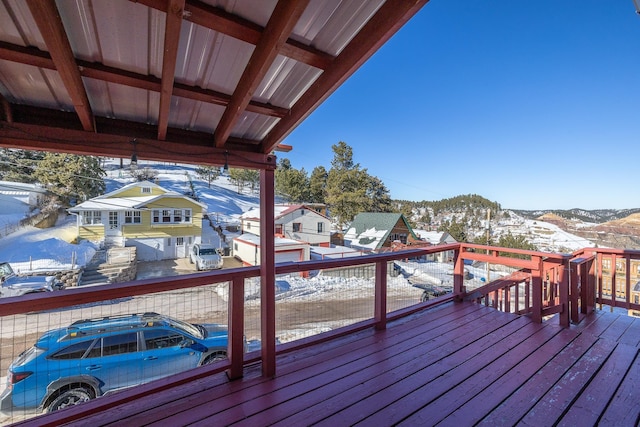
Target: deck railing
(524,282)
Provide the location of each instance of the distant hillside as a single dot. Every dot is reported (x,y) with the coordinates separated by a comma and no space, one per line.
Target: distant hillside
(597,215)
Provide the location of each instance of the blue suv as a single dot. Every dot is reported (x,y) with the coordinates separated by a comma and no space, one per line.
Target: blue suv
(91,358)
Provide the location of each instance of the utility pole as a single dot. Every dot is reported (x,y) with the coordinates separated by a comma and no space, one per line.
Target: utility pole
(488,235)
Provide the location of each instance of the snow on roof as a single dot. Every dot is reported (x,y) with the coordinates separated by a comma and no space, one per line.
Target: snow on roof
(278,211)
(334,252)
(369,239)
(7,187)
(433,237)
(113,203)
(108,202)
(278,241)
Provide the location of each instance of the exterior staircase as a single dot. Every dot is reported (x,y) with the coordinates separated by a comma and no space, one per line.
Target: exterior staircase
(112,265)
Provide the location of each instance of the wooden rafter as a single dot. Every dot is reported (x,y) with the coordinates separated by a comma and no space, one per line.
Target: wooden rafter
(94,70)
(220,21)
(171,39)
(50,25)
(392,15)
(43,137)
(283,19)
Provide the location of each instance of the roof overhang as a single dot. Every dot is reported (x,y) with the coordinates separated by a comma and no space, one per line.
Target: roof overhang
(186,81)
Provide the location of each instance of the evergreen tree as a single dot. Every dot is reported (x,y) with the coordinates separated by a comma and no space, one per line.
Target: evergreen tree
(515,242)
(290,183)
(208,173)
(318,185)
(18,165)
(346,196)
(378,195)
(244,177)
(71,177)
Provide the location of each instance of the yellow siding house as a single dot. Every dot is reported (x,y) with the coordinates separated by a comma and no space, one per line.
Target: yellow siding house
(161,224)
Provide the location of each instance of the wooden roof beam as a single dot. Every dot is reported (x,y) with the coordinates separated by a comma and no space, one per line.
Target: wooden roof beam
(169,58)
(220,21)
(37,58)
(391,16)
(50,25)
(283,19)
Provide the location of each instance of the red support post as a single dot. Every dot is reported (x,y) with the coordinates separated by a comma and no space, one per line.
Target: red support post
(380,310)
(236,328)
(536,282)
(267,273)
(563,294)
(458,274)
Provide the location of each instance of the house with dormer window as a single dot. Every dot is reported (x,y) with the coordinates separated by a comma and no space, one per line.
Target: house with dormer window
(161,224)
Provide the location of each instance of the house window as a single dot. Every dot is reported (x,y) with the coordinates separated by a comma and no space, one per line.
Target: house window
(248,226)
(297,227)
(402,237)
(171,216)
(91,217)
(278,229)
(168,241)
(146,190)
(179,241)
(320,227)
(235,247)
(132,217)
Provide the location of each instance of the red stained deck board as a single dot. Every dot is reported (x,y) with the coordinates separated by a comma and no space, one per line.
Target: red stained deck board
(618,328)
(624,409)
(290,385)
(480,378)
(519,403)
(396,398)
(314,401)
(555,402)
(594,399)
(481,404)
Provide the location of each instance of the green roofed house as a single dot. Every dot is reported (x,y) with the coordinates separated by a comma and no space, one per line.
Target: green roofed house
(374,231)
(160,223)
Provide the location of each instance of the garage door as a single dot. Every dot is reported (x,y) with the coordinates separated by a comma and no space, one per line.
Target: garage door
(289,256)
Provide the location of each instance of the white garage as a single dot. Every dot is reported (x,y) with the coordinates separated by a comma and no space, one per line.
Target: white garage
(246,247)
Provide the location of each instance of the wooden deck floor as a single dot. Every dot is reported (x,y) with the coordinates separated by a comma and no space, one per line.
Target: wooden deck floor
(460,364)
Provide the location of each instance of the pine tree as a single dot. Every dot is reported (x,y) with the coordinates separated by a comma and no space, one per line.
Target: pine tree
(18,165)
(346,196)
(71,177)
(290,183)
(318,185)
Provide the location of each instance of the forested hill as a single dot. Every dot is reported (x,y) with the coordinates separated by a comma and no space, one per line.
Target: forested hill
(596,215)
(469,203)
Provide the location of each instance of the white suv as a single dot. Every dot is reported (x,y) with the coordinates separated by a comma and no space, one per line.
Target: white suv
(205,257)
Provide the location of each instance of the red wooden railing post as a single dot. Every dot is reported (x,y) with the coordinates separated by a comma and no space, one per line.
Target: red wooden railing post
(574,293)
(236,328)
(267,273)
(536,282)
(380,310)
(563,279)
(458,273)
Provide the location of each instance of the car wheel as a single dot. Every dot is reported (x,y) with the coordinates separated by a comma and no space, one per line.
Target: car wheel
(72,397)
(214,357)
(425,296)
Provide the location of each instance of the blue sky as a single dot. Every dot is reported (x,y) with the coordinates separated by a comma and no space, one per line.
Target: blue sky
(534,105)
